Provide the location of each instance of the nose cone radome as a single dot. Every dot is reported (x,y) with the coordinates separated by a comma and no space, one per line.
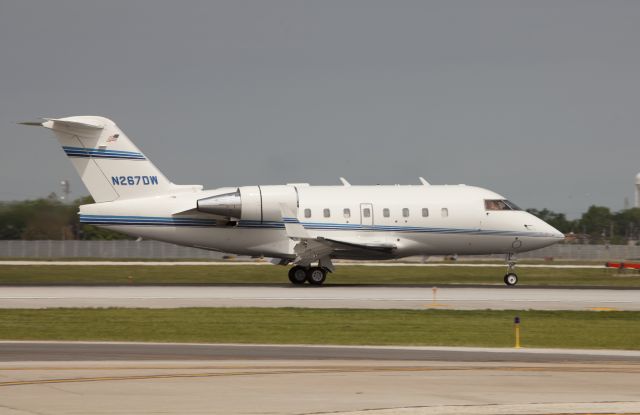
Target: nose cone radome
(550,234)
(554,233)
(541,233)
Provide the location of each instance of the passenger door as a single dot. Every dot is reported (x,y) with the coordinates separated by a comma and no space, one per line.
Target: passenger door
(366,214)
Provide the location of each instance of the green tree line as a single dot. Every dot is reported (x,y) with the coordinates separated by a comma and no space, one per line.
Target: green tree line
(598,224)
(51,219)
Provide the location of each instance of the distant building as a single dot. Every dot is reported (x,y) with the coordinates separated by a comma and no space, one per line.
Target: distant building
(638,190)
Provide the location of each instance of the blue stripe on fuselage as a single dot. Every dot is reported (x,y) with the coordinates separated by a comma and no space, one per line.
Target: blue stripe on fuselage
(256,224)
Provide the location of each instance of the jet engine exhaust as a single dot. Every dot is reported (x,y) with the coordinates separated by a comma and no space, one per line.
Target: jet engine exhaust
(228,205)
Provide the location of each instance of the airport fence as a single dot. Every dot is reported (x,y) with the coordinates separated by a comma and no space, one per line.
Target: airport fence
(128,249)
(582,252)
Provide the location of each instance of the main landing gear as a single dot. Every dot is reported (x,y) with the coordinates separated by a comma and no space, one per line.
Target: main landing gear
(298,275)
(510,278)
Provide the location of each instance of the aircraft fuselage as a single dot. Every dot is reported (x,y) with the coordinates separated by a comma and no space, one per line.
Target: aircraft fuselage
(419,220)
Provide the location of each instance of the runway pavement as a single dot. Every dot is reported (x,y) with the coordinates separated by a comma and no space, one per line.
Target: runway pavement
(152,378)
(264,262)
(373,297)
(104,378)
(11,351)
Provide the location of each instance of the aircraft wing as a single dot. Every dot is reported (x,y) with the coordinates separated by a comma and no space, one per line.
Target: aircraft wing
(359,244)
(310,249)
(295,230)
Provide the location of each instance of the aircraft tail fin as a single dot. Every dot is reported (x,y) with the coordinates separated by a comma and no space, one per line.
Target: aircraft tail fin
(109,164)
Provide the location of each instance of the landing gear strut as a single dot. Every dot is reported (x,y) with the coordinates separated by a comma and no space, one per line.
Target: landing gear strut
(510,278)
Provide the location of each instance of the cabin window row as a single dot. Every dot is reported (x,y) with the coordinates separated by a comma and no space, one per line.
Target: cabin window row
(386,212)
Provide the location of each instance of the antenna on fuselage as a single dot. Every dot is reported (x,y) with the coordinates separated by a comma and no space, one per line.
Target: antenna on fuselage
(424,182)
(345,182)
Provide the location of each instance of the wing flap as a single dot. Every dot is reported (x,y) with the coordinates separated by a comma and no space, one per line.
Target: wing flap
(358,244)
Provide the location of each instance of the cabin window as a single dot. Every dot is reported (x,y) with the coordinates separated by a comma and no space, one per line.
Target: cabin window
(307,213)
(425,212)
(405,212)
(326,213)
(385,212)
(500,204)
(444,212)
(366,212)
(347,213)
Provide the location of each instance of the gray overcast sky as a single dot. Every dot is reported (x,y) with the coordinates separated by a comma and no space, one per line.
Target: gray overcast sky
(537,100)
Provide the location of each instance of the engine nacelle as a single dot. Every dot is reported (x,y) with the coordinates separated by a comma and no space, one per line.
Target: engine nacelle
(252,203)
(227,204)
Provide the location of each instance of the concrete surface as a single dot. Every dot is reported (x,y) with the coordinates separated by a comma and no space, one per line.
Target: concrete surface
(376,297)
(316,386)
(122,351)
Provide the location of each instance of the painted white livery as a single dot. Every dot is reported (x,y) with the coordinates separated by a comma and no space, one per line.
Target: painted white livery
(298,224)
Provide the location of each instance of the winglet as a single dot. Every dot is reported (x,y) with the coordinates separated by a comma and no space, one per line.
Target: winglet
(424,182)
(345,182)
(292,225)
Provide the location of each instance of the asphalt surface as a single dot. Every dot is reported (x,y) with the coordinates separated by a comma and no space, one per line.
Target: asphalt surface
(367,297)
(11,351)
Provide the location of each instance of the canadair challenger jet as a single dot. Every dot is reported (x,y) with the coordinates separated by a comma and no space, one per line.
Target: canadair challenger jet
(307,226)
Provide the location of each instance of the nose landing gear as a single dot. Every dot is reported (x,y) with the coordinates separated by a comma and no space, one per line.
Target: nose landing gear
(510,278)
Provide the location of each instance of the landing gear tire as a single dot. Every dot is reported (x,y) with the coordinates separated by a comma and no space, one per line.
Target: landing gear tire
(316,276)
(510,279)
(297,275)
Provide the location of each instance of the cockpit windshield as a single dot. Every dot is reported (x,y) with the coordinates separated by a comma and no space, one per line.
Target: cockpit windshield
(500,204)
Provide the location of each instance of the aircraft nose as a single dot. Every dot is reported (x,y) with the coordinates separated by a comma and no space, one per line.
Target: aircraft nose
(548,234)
(554,235)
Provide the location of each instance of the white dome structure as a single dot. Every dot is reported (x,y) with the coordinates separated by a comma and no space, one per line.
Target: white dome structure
(638,190)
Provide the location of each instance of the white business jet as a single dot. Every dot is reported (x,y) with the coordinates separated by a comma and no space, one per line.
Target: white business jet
(307,226)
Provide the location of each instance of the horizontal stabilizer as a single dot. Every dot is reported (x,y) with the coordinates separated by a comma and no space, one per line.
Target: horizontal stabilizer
(73,124)
(34,123)
(65,122)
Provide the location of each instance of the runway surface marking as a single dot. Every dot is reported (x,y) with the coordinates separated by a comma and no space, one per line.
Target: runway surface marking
(515,300)
(311,370)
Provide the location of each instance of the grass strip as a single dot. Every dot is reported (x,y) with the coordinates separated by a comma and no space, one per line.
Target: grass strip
(557,329)
(196,274)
